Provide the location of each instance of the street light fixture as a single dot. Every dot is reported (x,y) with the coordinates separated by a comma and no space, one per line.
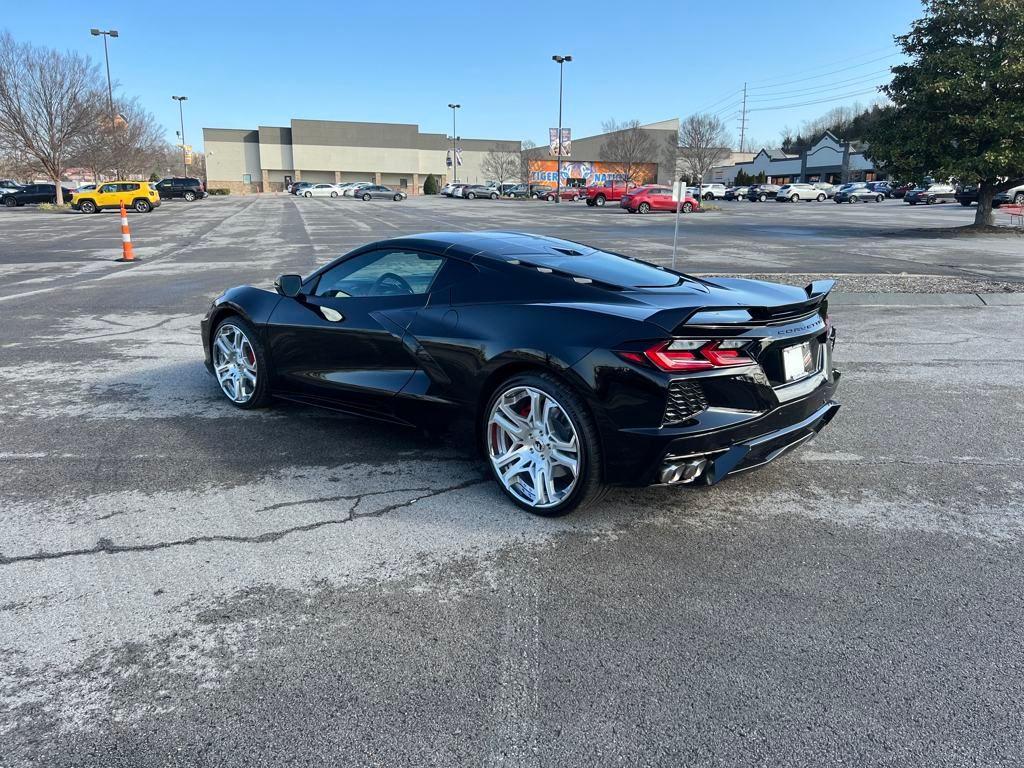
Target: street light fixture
(106,57)
(181,114)
(455,153)
(560,60)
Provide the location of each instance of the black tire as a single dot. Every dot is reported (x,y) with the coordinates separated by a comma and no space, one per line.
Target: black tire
(334,194)
(396,198)
(590,203)
(821,198)
(928,201)
(687,207)
(965,203)
(879,198)
(913,202)
(10,202)
(762,198)
(470,196)
(643,208)
(590,488)
(366,197)
(575,198)
(307,194)
(600,200)
(709,196)
(1018,199)
(189,196)
(142,205)
(261,395)
(88,206)
(550,198)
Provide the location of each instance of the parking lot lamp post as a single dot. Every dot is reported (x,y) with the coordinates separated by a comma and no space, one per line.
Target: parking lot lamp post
(110,88)
(455,154)
(181,114)
(558,170)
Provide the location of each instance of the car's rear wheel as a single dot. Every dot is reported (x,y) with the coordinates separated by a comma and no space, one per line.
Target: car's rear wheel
(239,363)
(879,198)
(366,196)
(142,206)
(189,196)
(334,194)
(709,196)
(762,198)
(87,206)
(599,200)
(575,198)
(470,196)
(643,208)
(542,445)
(494,195)
(853,198)
(821,198)
(687,207)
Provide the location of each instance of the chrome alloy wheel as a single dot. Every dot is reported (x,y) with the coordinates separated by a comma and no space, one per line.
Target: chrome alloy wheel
(234,362)
(533,447)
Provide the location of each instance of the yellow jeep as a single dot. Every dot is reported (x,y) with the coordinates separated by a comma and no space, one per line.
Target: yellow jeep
(140,195)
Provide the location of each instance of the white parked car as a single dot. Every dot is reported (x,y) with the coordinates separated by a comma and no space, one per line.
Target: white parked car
(449,188)
(797,191)
(353,187)
(321,190)
(712,191)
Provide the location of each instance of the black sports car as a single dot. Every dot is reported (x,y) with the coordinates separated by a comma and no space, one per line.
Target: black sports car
(576,368)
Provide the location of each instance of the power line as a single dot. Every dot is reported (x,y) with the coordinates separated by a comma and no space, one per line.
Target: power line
(770,81)
(824,74)
(847,83)
(818,101)
(715,104)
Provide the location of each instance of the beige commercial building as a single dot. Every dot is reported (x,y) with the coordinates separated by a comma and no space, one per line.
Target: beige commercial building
(398,155)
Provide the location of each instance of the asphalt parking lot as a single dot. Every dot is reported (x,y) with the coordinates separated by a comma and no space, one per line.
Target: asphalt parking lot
(187,584)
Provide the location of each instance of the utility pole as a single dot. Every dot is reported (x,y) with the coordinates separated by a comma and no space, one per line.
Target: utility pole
(558,170)
(181,114)
(743,118)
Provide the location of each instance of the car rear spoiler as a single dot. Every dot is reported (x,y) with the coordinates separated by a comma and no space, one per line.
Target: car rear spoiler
(817,292)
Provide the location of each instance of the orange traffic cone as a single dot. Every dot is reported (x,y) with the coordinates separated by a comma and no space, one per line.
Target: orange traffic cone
(126,238)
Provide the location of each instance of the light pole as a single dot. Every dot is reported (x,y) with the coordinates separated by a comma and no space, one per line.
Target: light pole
(181,114)
(106,57)
(558,171)
(455,153)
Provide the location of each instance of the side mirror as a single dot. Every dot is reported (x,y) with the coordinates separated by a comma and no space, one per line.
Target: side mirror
(288,285)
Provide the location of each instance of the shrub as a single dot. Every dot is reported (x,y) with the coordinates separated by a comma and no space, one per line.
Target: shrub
(218,191)
(430,185)
(51,207)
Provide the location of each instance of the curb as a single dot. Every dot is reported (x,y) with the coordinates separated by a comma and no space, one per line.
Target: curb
(926,299)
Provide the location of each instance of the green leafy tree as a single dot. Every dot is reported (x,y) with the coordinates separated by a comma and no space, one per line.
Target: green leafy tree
(430,185)
(957,105)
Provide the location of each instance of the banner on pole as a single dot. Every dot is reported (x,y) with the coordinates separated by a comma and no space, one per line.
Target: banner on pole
(458,156)
(566,142)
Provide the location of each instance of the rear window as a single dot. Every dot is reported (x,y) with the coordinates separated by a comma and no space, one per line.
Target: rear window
(606,268)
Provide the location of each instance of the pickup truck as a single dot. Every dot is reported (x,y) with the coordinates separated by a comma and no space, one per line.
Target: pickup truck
(599,194)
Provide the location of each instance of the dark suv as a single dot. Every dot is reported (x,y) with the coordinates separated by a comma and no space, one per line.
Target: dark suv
(758,193)
(34,193)
(186,189)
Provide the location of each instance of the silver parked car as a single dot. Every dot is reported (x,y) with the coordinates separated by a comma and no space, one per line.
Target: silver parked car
(377,192)
(797,191)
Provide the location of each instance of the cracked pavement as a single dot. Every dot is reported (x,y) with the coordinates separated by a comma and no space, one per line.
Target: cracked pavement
(185,584)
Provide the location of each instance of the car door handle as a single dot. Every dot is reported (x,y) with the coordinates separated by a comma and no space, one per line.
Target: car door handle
(332,314)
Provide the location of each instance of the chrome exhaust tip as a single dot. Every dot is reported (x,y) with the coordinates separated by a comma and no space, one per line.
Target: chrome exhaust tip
(685,471)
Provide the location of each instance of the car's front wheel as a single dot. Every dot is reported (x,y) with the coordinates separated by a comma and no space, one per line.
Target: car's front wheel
(542,445)
(879,198)
(10,202)
(821,198)
(470,196)
(687,207)
(494,195)
(87,206)
(643,208)
(334,194)
(762,198)
(239,363)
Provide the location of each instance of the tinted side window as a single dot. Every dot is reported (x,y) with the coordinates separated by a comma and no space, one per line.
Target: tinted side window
(380,273)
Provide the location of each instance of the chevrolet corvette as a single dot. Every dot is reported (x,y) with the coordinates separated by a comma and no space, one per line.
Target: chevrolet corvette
(575,368)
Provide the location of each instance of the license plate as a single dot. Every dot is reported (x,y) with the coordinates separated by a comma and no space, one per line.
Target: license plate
(797,361)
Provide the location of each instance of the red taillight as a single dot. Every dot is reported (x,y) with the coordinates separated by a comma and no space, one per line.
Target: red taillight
(693,354)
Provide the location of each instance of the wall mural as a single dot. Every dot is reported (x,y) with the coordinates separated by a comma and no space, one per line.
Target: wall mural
(583,173)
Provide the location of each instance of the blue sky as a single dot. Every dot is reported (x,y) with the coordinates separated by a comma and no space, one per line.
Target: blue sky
(263,63)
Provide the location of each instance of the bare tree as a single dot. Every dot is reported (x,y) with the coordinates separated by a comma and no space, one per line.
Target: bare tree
(526,161)
(47,102)
(501,165)
(627,150)
(134,146)
(703,144)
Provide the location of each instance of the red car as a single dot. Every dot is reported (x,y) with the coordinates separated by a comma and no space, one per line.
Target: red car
(568,193)
(655,198)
